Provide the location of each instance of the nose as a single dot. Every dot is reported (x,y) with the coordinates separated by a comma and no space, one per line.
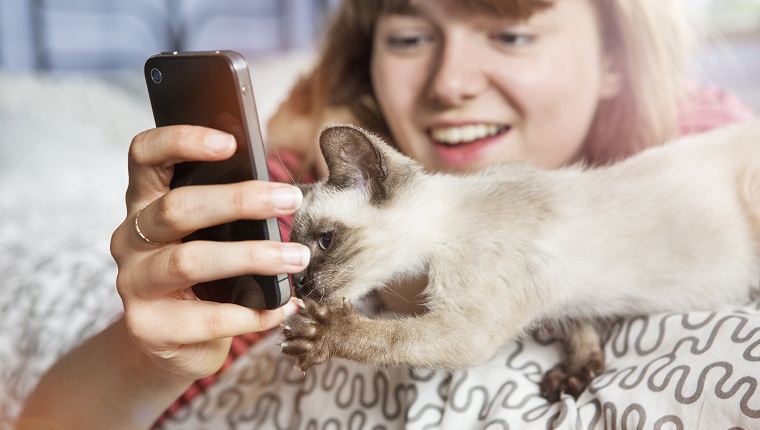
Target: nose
(459,73)
(300,285)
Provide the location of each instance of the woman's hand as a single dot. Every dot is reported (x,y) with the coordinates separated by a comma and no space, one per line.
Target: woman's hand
(184,335)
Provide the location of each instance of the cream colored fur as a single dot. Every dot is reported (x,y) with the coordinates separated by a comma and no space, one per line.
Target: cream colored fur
(674,228)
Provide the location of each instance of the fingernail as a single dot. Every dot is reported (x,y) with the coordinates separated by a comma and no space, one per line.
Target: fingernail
(291,308)
(295,254)
(219,142)
(286,198)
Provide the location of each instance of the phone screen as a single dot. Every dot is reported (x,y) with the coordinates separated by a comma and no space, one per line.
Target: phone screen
(212,89)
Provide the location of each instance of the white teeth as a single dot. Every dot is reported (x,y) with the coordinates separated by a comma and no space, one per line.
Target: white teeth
(463,134)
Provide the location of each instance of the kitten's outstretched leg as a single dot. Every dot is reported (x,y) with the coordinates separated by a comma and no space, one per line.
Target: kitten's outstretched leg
(583,359)
(440,340)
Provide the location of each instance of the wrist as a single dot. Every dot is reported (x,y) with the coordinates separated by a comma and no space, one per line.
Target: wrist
(107,382)
(139,366)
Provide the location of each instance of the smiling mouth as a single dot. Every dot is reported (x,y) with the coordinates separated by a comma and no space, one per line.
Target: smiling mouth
(457,135)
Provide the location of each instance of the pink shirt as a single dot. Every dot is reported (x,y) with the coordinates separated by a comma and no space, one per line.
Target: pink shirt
(709,107)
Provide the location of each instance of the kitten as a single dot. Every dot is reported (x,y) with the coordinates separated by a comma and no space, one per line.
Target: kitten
(675,228)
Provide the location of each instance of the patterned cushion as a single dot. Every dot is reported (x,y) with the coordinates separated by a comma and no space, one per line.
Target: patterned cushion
(665,371)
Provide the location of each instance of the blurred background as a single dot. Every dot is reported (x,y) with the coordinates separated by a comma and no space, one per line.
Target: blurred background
(730,51)
(111,39)
(102,36)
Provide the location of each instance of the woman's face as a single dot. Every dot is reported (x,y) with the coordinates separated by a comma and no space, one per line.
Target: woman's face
(462,91)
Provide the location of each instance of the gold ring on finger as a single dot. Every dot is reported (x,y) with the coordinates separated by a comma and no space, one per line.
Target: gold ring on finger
(140,233)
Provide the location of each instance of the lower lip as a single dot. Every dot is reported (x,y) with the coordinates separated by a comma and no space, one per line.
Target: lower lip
(464,154)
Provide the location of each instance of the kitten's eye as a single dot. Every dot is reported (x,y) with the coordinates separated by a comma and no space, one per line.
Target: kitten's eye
(325,240)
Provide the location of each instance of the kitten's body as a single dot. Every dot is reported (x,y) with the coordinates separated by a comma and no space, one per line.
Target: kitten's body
(676,228)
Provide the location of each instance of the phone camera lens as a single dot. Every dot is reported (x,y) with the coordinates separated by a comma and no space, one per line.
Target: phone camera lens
(155,75)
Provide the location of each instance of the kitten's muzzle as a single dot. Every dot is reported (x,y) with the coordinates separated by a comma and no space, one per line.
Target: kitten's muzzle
(300,284)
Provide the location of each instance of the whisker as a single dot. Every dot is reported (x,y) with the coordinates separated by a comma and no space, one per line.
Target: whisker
(277,152)
(396,294)
(418,300)
(307,284)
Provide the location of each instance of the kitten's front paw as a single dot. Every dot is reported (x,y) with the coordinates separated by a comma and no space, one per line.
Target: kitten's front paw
(312,334)
(562,379)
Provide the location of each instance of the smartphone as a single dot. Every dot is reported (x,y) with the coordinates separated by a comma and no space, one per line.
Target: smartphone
(213,89)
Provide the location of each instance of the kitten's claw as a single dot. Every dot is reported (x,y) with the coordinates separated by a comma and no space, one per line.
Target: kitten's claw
(315,332)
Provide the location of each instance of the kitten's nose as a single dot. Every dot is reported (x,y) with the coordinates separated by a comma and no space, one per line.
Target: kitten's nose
(299,284)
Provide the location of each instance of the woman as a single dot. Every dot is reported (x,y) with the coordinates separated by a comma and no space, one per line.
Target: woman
(457,86)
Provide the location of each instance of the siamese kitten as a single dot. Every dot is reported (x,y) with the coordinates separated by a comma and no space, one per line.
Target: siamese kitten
(674,228)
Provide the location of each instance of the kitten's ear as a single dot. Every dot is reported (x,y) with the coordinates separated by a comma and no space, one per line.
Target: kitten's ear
(353,160)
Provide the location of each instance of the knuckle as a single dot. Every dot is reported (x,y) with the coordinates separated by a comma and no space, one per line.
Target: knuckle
(266,320)
(254,253)
(251,198)
(215,323)
(138,325)
(184,133)
(147,144)
(184,264)
(171,210)
(129,287)
(115,245)
(137,153)
(122,283)
(182,138)
(241,201)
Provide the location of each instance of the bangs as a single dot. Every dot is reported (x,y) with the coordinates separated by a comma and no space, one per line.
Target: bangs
(513,9)
(365,13)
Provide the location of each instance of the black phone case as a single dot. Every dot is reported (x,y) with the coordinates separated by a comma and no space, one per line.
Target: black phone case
(213,89)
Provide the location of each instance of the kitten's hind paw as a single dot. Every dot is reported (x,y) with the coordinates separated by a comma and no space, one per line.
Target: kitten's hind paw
(312,335)
(562,379)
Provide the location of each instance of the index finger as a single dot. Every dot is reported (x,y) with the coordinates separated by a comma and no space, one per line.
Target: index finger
(153,154)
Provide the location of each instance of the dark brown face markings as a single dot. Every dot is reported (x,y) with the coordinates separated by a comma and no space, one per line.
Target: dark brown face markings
(357,162)
(335,247)
(353,161)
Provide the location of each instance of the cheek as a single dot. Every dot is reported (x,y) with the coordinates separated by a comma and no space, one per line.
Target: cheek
(398,85)
(393,84)
(555,81)
(556,98)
